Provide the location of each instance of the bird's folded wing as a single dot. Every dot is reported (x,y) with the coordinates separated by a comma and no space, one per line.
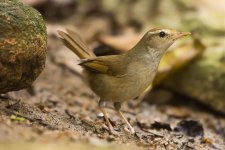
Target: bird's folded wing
(105,65)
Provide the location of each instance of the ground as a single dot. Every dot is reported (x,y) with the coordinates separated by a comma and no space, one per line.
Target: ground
(61,107)
(59,111)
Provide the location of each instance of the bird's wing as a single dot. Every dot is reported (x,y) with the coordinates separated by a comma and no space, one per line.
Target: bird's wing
(111,65)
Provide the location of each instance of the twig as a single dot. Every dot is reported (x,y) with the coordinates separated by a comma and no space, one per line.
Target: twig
(157,135)
(69,114)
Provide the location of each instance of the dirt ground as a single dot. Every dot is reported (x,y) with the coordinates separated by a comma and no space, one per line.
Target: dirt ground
(61,107)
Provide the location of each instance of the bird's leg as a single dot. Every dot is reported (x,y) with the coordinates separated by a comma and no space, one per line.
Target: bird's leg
(117,106)
(101,106)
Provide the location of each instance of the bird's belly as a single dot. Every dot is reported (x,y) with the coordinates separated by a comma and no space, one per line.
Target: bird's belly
(120,89)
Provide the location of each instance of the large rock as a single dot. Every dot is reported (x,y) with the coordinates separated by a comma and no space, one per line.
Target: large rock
(23,45)
(204,79)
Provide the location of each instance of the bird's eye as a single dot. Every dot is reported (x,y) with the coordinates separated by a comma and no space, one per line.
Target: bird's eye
(162,34)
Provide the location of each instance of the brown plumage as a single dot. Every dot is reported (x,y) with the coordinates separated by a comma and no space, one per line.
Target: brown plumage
(119,78)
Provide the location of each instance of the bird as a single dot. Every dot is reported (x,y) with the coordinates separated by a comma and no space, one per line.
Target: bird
(119,78)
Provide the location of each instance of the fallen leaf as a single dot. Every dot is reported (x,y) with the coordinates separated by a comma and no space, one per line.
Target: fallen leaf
(122,42)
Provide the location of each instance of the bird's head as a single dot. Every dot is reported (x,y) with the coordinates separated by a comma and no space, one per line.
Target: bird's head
(162,39)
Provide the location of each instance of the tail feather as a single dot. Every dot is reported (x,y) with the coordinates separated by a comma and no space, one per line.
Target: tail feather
(75,43)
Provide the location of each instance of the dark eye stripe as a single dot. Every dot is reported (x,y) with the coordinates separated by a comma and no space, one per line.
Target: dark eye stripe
(162,34)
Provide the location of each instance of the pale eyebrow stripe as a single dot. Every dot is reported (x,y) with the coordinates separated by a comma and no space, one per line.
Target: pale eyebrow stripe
(155,33)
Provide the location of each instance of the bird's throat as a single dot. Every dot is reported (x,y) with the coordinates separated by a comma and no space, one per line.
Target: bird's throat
(148,56)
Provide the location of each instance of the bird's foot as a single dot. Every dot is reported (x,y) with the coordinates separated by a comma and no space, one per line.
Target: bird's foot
(108,126)
(113,132)
(129,130)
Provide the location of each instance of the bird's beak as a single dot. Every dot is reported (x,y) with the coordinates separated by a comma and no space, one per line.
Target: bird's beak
(178,35)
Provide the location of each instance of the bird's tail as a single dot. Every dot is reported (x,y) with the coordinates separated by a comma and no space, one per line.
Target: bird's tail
(75,43)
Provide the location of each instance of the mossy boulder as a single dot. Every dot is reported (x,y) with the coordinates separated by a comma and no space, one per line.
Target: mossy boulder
(204,79)
(23,45)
